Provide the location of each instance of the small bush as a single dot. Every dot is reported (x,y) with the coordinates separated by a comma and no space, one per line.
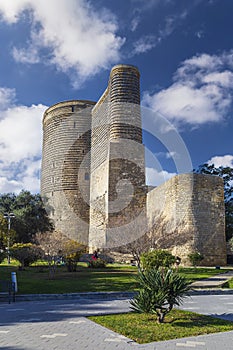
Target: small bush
(160,290)
(71,253)
(98,263)
(195,258)
(26,253)
(157,258)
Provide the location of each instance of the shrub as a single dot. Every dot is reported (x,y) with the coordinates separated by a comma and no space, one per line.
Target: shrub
(72,251)
(160,290)
(195,258)
(157,258)
(98,263)
(26,253)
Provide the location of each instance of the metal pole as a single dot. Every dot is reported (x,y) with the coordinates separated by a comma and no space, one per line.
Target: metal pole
(8,240)
(8,216)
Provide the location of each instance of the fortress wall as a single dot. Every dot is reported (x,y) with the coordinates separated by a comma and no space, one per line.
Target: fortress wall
(126,190)
(117,160)
(186,214)
(65,183)
(100,132)
(99,172)
(209,216)
(98,207)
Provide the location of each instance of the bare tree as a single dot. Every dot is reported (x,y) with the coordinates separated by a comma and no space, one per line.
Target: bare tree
(138,247)
(52,244)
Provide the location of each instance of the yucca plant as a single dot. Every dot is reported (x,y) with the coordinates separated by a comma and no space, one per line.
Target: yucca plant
(160,290)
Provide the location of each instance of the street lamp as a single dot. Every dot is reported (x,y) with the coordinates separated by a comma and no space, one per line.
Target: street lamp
(8,216)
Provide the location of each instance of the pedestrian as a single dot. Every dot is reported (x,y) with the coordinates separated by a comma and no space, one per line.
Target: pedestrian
(95,255)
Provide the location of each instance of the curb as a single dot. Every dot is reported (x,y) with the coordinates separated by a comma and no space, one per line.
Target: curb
(108,295)
(78,296)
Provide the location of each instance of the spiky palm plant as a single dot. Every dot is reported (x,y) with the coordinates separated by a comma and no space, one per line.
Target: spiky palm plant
(160,290)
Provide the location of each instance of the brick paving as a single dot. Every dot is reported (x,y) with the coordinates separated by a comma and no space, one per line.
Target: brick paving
(61,324)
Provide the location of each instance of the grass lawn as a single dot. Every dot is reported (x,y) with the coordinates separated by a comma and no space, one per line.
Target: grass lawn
(199,273)
(143,328)
(115,277)
(36,279)
(228,284)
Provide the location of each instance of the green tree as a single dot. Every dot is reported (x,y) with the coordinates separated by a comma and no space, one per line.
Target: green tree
(26,253)
(6,236)
(157,258)
(3,232)
(160,290)
(2,256)
(226,173)
(30,214)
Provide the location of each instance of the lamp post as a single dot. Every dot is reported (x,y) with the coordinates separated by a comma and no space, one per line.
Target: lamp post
(8,216)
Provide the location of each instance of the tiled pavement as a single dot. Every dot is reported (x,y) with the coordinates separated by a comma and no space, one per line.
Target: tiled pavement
(62,324)
(214,281)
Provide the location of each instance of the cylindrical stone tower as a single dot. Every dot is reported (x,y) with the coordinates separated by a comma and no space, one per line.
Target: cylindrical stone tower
(127,159)
(124,86)
(65,183)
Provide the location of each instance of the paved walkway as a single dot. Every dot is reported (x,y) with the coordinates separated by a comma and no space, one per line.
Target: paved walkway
(214,281)
(62,324)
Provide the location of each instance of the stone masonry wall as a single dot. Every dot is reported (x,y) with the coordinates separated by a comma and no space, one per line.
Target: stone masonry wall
(99,173)
(186,214)
(117,161)
(65,180)
(93,179)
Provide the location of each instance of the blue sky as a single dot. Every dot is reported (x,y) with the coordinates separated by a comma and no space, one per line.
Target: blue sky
(64,49)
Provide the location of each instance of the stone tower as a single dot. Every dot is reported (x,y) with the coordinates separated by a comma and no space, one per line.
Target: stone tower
(93,180)
(65,175)
(117,189)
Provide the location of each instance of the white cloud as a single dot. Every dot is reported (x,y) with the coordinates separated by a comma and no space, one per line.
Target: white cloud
(223,79)
(134,23)
(171,23)
(167,155)
(144,44)
(20,133)
(9,186)
(78,37)
(201,91)
(201,63)
(6,97)
(199,34)
(11,10)
(171,155)
(28,55)
(140,8)
(20,144)
(156,178)
(148,42)
(225,161)
(25,178)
